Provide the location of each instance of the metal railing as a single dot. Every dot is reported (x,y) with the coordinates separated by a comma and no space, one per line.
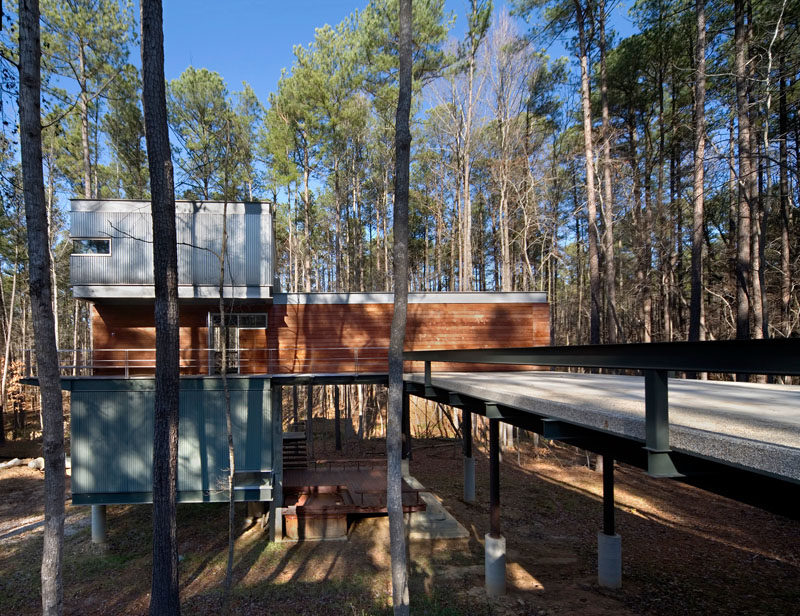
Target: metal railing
(654,360)
(131,362)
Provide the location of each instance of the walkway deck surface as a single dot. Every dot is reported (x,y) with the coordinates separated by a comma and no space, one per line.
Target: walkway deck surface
(755,427)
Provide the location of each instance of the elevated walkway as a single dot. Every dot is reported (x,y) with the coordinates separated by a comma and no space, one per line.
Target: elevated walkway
(744,425)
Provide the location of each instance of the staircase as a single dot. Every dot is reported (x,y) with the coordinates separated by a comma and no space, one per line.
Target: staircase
(295,451)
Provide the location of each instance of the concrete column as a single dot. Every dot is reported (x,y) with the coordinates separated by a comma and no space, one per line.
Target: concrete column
(609,544)
(495,565)
(469,480)
(609,560)
(99,524)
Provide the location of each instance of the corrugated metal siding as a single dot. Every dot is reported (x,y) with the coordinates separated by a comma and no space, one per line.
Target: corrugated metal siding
(199,237)
(112,435)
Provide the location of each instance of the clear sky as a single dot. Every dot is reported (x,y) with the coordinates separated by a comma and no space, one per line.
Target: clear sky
(252,40)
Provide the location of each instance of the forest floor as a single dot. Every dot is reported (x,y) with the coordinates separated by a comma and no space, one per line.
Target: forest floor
(685,551)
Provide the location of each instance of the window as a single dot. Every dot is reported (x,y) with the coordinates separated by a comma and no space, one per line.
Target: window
(230,338)
(87,246)
(241,321)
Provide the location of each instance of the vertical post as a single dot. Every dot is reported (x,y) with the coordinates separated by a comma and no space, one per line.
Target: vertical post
(99,524)
(309,419)
(495,543)
(406,427)
(469,461)
(336,419)
(659,463)
(608,495)
(294,406)
(428,383)
(609,544)
(276,505)
(494,477)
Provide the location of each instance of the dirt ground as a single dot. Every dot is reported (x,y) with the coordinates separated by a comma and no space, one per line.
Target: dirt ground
(685,551)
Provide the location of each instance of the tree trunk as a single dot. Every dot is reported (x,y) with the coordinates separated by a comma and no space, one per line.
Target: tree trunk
(8,321)
(83,101)
(608,193)
(42,305)
(743,257)
(394,497)
(591,196)
(783,131)
(164,597)
(696,310)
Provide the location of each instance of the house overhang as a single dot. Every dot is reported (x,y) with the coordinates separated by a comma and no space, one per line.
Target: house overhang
(185,291)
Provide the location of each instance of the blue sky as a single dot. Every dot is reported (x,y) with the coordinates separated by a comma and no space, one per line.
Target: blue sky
(252,40)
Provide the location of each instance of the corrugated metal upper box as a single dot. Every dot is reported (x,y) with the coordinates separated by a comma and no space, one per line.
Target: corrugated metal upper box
(124,269)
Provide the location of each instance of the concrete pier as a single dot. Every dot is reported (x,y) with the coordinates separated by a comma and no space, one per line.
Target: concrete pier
(495,565)
(99,524)
(609,560)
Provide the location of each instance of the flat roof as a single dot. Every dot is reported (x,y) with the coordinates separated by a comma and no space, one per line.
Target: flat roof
(746,425)
(455,297)
(182,206)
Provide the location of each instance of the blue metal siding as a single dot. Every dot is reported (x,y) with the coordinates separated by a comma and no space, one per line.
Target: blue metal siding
(112,434)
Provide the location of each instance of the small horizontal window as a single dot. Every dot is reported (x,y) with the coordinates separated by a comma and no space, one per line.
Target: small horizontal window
(241,321)
(91,246)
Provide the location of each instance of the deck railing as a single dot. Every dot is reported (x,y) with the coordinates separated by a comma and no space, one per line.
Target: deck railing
(127,363)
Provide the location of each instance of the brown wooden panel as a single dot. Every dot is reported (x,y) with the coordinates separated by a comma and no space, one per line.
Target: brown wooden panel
(329,338)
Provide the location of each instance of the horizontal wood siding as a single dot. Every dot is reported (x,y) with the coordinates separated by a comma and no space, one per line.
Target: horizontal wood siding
(324,338)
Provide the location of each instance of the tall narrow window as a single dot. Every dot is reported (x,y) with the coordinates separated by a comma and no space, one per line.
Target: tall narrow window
(228,338)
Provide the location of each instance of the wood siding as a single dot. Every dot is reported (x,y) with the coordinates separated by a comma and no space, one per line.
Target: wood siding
(320,338)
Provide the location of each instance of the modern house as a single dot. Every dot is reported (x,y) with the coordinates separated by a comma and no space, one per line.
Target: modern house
(273,339)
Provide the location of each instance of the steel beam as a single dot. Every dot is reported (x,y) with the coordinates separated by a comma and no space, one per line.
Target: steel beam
(771,356)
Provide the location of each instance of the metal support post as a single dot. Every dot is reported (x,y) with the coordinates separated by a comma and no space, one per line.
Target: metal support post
(609,544)
(276,505)
(469,461)
(608,494)
(309,421)
(405,421)
(495,543)
(656,400)
(337,419)
(99,524)
(494,477)
(429,391)
(406,426)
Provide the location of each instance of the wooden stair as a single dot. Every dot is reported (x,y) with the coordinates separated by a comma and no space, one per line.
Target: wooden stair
(295,451)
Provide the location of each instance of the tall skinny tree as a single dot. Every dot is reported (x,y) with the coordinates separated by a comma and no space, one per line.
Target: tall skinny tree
(696,320)
(41,293)
(164,597)
(582,14)
(394,496)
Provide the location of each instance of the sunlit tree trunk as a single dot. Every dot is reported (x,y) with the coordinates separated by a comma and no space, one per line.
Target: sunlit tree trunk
(41,292)
(394,500)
